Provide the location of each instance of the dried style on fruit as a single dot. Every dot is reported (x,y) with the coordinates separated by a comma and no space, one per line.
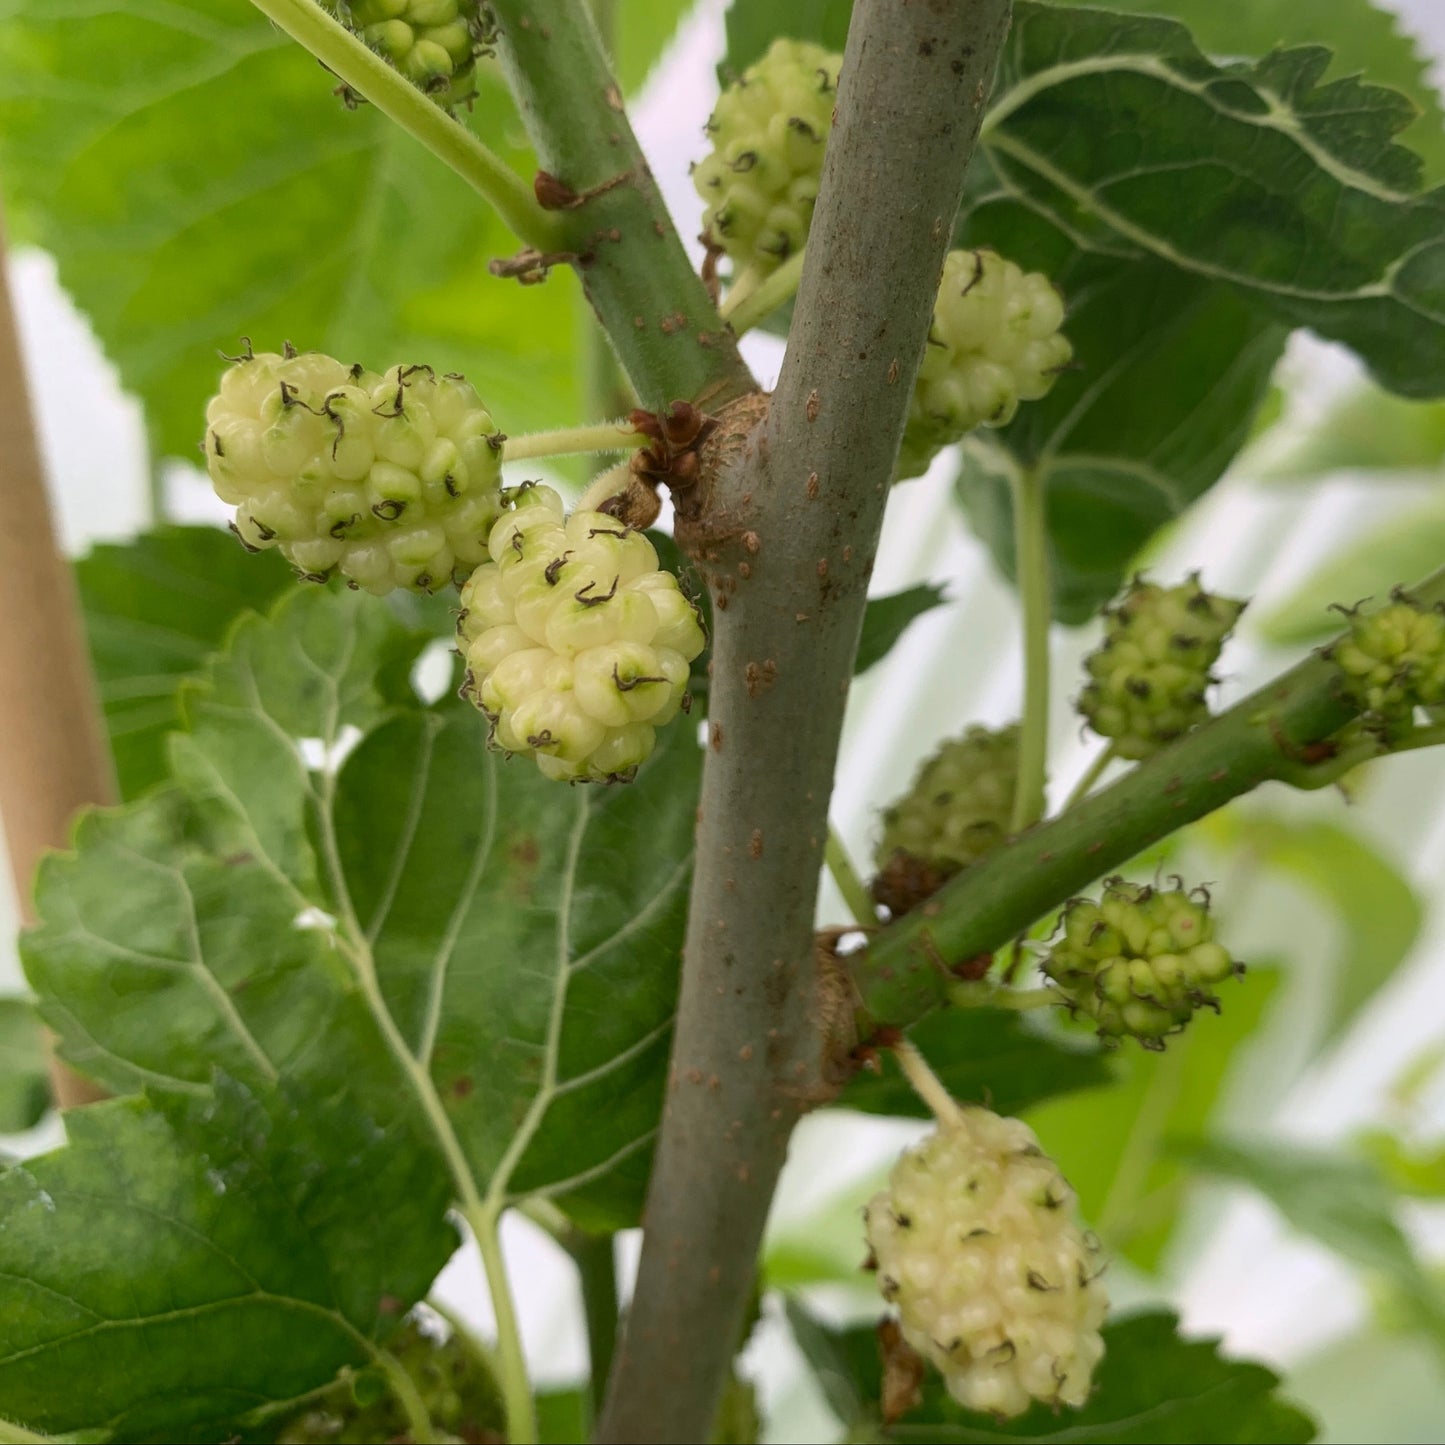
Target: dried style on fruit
(1140,960)
(390,479)
(434,43)
(1149,679)
(1393,660)
(768,131)
(956,812)
(977,1245)
(995,341)
(577,643)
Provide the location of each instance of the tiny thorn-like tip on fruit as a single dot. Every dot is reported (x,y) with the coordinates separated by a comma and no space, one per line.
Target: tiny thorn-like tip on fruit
(995,1283)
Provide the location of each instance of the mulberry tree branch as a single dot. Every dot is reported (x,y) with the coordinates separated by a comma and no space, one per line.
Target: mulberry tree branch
(787,538)
(1271,735)
(616,230)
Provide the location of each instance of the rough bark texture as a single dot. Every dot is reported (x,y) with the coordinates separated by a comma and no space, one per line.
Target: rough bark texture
(787,537)
(53,754)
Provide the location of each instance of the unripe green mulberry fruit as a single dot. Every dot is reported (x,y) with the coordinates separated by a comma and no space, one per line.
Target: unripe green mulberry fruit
(434,43)
(768,132)
(577,643)
(460,1397)
(1149,678)
(996,1284)
(1140,960)
(1393,660)
(392,480)
(956,812)
(994,342)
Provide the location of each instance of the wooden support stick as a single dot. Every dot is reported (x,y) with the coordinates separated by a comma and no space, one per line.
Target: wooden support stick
(54,758)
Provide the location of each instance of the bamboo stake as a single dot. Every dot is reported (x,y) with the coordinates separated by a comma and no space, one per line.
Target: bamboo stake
(54,758)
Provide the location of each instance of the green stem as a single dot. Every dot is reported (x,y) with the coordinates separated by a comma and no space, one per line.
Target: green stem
(607,436)
(1310,776)
(12,1434)
(511,1360)
(747,306)
(425,121)
(604,15)
(418,1418)
(637,275)
(850,885)
(903,974)
(1031,548)
(597,1271)
(1092,774)
(605,388)
(986,995)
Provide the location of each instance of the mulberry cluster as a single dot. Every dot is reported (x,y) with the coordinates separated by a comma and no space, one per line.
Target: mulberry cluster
(391,480)
(434,43)
(1149,678)
(995,341)
(996,1284)
(768,133)
(956,812)
(1393,660)
(1140,960)
(577,643)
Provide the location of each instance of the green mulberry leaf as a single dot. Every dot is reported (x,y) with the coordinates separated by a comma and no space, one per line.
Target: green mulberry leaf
(155,609)
(1152,1388)
(188,1274)
(196,180)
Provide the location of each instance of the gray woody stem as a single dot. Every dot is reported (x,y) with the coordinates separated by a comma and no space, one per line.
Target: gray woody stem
(790,533)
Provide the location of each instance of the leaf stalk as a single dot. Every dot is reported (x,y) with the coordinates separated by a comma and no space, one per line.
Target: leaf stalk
(425,121)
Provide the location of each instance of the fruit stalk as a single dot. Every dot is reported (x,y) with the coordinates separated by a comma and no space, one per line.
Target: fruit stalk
(788,536)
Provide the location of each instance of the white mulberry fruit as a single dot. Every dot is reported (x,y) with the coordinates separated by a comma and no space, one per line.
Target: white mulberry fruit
(768,130)
(1393,660)
(995,1283)
(1150,677)
(956,812)
(392,480)
(577,643)
(1140,960)
(434,43)
(994,342)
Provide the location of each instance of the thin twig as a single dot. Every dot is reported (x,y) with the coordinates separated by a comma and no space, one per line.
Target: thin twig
(743,309)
